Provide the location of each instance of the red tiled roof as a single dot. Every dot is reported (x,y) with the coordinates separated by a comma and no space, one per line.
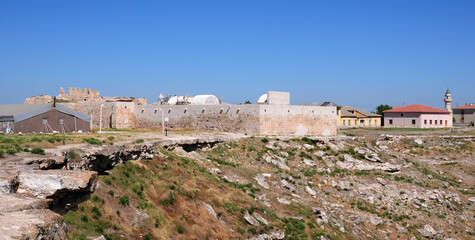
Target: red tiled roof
(416,108)
(468,106)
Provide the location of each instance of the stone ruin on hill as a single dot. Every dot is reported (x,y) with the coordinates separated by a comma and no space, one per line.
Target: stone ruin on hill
(77,95)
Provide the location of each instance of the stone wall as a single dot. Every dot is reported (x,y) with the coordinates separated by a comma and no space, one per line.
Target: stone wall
(108,112)
(278,98)
(231,118)
(297,120)
(248,118)
(39,99)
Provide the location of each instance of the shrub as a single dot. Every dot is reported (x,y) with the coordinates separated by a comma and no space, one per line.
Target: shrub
(92,141)
(2,153)
(97,213)
(170,200)
(180,229)
(124,200)
(139,141)
(148,236)
(111,138)
(294,228)
(98,199)
(36,139)
(72,154)
(308,141)
(40,151)
(265,140)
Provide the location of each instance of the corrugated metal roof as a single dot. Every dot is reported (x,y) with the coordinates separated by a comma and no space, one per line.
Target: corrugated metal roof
(19,112)
(347,111)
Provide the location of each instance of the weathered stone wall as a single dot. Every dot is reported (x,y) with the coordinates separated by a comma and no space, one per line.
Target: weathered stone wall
(39,99)
(232,118)
(297,120)
(278,98)
(108,112)
(250,119)
(125,115)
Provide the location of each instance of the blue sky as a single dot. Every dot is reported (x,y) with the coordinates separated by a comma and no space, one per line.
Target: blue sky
(358,53)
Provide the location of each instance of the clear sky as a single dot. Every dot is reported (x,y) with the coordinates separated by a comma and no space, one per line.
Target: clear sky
(358,53)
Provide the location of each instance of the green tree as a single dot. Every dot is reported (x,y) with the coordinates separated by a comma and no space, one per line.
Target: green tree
(247,102)
(380,109)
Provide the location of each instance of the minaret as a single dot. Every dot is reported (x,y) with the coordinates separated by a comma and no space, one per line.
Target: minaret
(448,101)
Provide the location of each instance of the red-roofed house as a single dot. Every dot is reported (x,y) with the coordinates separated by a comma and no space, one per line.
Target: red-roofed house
(417,116)
(465,114)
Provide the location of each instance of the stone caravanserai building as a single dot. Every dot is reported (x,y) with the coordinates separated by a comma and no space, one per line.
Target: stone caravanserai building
(273,115)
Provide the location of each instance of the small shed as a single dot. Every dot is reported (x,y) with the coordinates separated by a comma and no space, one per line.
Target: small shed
(41,118)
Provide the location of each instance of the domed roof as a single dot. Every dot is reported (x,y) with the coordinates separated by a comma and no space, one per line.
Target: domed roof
(262,99)
(205,100)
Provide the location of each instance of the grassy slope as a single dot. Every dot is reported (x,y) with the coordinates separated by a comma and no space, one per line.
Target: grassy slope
(170,191)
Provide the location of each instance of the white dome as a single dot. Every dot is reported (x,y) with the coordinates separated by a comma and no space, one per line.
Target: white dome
(173,100)
(205,100)
(262,99)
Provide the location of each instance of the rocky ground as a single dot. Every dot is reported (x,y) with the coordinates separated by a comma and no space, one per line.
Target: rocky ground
(240,187)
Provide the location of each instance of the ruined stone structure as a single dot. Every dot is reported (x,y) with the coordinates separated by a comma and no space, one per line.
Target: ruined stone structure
(276,117)
(81,95)
(77,95)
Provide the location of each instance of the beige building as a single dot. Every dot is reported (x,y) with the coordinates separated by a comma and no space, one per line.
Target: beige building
(353,117)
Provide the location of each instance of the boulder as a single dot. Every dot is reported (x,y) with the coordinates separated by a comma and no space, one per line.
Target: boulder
(260,218)
(251,220)
(261,179)
(428,231)
(277,161)
(308,162)
(375,220)
(32,224)
(310,191)
(319,153)
(53,183)
(19,202)
(288,186)
(284,201)
(8,182)
(210,209)
(273,235)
